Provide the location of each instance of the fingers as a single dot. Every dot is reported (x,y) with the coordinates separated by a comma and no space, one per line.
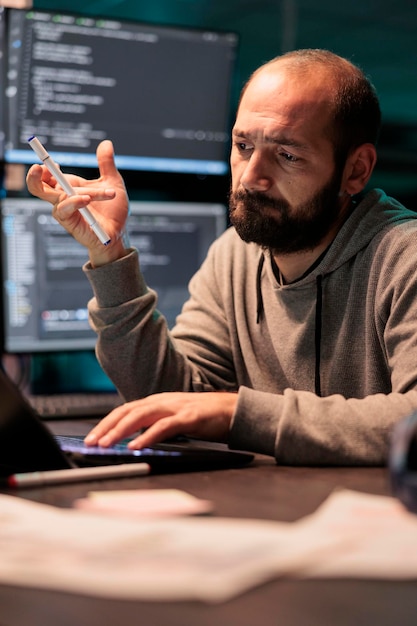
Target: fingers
(121,422)
(163,429)
(65,206)
(110,215)
(204,415)
(34,178)
(41,183)
(106,426)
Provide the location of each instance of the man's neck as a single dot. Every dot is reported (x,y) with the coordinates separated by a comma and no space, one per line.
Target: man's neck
(293,266)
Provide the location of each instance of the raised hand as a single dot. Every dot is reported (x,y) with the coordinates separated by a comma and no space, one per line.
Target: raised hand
(106,198)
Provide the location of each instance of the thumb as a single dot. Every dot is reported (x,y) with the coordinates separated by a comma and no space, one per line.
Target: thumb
(105,159)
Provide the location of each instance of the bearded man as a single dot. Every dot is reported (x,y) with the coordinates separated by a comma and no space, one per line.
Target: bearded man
(299,339)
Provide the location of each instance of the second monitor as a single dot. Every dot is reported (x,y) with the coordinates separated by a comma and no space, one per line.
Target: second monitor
(45,292)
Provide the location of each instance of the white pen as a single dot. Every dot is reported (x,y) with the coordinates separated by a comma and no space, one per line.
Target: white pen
(77,474)
(55,170)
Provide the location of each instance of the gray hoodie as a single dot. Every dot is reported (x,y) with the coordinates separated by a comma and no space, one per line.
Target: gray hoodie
(323,367)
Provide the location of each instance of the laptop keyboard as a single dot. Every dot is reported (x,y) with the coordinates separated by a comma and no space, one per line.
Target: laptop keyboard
(166,457)
(74,404)
(76,444)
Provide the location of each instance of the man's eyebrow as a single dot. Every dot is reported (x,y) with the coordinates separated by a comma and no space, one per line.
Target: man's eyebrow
(282,139)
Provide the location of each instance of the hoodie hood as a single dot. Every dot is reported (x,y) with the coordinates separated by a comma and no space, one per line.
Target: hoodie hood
(374,213)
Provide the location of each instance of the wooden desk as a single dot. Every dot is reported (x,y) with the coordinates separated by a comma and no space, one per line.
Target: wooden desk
(263,490)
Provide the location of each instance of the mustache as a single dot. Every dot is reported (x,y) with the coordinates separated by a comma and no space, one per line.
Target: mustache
(255,200)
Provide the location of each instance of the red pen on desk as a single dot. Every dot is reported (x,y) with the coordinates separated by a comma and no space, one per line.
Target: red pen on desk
(77,474)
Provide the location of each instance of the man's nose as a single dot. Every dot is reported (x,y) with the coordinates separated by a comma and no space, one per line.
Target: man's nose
(257,174)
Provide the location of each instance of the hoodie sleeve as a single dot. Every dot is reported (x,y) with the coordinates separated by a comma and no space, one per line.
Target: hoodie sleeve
(299,428)
(136,348)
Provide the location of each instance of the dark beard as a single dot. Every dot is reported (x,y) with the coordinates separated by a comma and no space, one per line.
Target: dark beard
(287,230)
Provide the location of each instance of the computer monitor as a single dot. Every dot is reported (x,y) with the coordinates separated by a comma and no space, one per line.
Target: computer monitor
(2,78)
(160,93)
(45,291)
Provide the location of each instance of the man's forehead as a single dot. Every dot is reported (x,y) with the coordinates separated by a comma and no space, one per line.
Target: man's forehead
(284,70)
(285,108)
(283,100)
(280,83)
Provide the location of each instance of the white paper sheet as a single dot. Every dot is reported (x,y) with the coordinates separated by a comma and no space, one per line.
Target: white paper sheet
(210,559)
(378,537)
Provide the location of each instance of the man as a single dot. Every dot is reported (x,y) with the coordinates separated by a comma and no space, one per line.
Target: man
(301,327)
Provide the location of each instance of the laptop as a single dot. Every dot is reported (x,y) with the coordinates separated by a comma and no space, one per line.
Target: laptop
(27,445)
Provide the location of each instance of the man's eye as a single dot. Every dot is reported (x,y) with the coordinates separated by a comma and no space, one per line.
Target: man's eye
(288,157)
(242,146)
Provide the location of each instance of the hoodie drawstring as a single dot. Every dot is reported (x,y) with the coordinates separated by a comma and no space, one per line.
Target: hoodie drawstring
(318,320)
(259,299)
(317,334)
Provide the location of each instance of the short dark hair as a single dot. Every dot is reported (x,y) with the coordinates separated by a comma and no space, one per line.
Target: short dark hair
(357,113)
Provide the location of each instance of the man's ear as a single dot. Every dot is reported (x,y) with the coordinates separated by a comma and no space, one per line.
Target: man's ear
(358,168)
